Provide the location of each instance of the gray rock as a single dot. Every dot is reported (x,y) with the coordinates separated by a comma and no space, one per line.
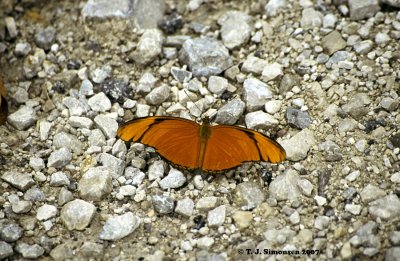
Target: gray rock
(337,57)
(46,212)
(331,151)
(385,208)
(65,140)
(29,251)
(217,85)
(288,82)
(353,209)
(254,65)
(216,217)
(6,250)
(146,83)
(321,222)
(297,118)
(95,184)
(236,28)
(22,119)
(260,119)
(59,179)
(163,204)
(305,186)
(64,196)
(361,9)
(382,38)
(96,138)
(363,47)
(395,237)
(329,21)
(149,46)
(274,7)
(333,42)
(10,232)
(76,107)
(256,93)
(207,203)
(158,95)
(44,38)
(365,235)
(100,102)
(394,3)
(279,236)
(346,125)
(205,242)
(91,250)
(358,105)
(86,88)
(393,253)
(148,13)
(298,146)
(104,9)
(285,187)
(107,125)
(135,175)
(118,227)
(21,181)
(185,207)
(34,194)
(80,122)
(389,104)
(395,178)
(180,74)
(63,251)
(36,164)
(174,179)
(271,72)
(248,195)
(311,18)
(59,158)
(205,56)
(115,165)
(33,63)
(11,27)
(99,75)
(230,112)
(22,49)
(77,214)
(21,206)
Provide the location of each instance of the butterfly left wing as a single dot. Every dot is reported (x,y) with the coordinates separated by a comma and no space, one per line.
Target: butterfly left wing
(230,146)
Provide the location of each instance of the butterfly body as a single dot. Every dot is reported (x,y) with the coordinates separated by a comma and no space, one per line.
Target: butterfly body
(189,145)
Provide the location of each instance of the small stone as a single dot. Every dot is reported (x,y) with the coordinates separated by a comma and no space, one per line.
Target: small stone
(395,237)
(360,9)
(385,208)
(29,251)
(46,212)
(36,163)
(256,93)
(353,176)
(65,140)
(298,146)
(320,200)
(216,217)
(363,47)
(33,63)
(76,107)
(59,158)
(180,74)
(91,250)
(99,75)
(371,193)
(279,236)
(86,88)
(77,214)
(333,42)
(294,218)
(207,203)
(62,251)
(146,83)
(59,179)
(21,181)
(95,184)
(205,56)
(321,222)
(236,28)
(285,187)
(389,104)
(274,7)
(305,186)
(21,206)
(248,195)
(271,72)
(288,81)
(254,65)
(297,118)
(80,122)
(10,232)
(44,38)
(34,194)
(100,102)
(105,9)
(242,219)
(158,95)
(345,252)
(22,49)
(205,242)
(174,179)
(127,190)
(230,112)
(149,46)
(353,209)
(331,151)
(185,207)
(11,27)
(64,196)
(395,178)
(163,204)
(118,227)
(260,120)
(358,105)
(392,254)
(23,118)
(107,125)
(217,85)
(6,250)
(273,106)
(311,18)
(329,21)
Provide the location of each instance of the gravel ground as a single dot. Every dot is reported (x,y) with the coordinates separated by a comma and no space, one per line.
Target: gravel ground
(322,77)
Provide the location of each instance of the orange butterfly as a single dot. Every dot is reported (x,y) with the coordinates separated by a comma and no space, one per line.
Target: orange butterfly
(189,145)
